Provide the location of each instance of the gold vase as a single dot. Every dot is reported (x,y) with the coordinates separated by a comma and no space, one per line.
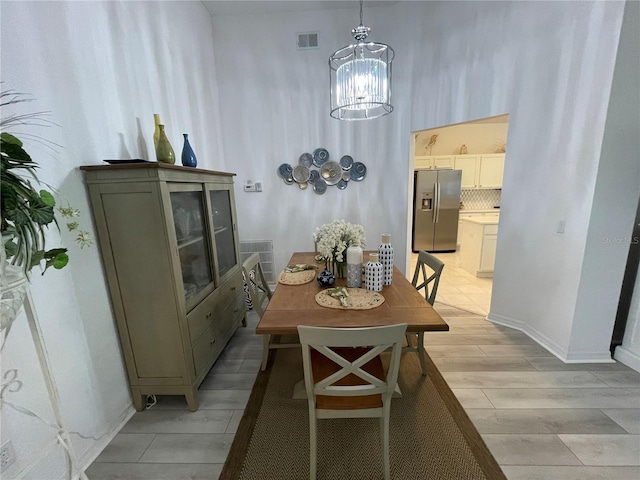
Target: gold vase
(164,150)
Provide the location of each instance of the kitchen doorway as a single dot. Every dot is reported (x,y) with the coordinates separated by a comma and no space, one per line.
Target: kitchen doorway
(477,148)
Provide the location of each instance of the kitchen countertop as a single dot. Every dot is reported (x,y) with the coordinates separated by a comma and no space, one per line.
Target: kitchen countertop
(486,220)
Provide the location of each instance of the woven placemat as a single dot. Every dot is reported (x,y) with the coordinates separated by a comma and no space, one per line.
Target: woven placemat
(296,278)
(358,299)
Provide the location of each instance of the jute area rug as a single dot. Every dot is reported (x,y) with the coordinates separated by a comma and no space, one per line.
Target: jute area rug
(431,436)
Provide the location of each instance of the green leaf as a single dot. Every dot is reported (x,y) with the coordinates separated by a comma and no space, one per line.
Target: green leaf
(40,212)
(36,258)
(47,198)
(56,258)
(16,153)
(11,248)
(7,137)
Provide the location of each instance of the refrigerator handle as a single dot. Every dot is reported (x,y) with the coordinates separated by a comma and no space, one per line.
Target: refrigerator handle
(436,208)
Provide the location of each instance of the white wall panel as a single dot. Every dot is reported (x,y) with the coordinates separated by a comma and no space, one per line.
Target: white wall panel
(102,69)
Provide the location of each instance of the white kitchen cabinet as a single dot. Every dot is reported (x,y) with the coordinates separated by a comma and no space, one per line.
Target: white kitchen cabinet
(433,162)
(480,171)
(493,214)
(469,166)
(478,246)
(490,171)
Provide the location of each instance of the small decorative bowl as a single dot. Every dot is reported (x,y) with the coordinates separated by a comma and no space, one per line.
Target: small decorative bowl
(326,279)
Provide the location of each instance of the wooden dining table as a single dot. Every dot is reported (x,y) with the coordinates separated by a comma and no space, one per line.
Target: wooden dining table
(293,305)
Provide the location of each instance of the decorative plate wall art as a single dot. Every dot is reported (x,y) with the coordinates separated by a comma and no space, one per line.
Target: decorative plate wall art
(317,171)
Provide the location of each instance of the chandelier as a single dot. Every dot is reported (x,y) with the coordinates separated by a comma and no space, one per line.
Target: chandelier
(361,78)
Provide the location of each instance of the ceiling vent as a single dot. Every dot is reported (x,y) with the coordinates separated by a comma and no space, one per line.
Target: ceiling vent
(305,41)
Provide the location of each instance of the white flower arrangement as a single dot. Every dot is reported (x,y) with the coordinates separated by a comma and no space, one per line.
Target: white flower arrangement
(333,239)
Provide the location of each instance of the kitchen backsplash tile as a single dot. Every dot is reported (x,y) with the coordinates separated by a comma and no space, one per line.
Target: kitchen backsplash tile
(480,199)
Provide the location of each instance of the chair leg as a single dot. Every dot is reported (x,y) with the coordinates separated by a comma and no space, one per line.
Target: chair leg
(420,350)
(266,339)
(313,448)
(384,430)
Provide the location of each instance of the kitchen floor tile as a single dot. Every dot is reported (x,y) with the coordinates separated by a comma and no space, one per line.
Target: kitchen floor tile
(442,338)
(534,350)
(454,351)
(570,473)
(627,418)
(188,448)
(154,471)
(543,421)
(482,364)
(229,381)
(179,421)
(521,380)
(553,363)
(605,449)
(126,447)
(522,449)
(209,399)
(472,398)
(561,397)
(620,379)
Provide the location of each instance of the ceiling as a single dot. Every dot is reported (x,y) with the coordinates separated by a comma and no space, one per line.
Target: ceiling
(234,7)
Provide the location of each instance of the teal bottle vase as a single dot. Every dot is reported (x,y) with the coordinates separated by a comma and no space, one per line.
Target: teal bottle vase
(188,157)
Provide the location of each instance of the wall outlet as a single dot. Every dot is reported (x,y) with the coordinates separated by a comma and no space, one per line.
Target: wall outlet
(7,455)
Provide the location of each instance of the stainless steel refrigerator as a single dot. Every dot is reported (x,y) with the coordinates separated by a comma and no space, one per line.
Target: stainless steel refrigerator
(436,208)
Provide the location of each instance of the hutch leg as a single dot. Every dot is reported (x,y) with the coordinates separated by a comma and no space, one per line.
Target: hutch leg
(192,399)
(139,400)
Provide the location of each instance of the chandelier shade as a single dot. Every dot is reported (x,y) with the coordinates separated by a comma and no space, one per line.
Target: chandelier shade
(360,78)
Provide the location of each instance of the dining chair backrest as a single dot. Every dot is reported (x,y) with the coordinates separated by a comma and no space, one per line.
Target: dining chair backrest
(425,259)
(259,290)
(334,368)
(344,378)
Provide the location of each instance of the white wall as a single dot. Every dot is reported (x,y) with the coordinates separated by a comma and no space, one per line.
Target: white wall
(622,143)
(549,65)
(102,69)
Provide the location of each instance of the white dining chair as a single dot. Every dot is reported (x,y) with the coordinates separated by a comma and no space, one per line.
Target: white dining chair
(260,293)
(429,282)
(344,377)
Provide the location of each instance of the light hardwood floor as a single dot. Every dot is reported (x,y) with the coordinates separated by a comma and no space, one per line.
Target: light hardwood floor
(541,418)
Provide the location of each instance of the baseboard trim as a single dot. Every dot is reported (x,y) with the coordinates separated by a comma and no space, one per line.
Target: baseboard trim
(629,358)
(549,344)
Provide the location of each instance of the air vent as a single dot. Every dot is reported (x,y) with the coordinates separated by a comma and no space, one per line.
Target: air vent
(307,40)
(265,249)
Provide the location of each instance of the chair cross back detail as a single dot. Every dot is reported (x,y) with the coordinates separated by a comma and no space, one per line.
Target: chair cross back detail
(373,385)
(258,288)
(425,259)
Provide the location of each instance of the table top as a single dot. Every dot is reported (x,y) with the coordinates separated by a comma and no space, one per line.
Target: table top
(293,305)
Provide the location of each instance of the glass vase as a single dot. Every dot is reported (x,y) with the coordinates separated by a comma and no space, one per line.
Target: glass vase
(188,157)
(164,150)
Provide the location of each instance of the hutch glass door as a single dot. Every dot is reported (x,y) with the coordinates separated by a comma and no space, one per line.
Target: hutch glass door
(193,243)
(222,221)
